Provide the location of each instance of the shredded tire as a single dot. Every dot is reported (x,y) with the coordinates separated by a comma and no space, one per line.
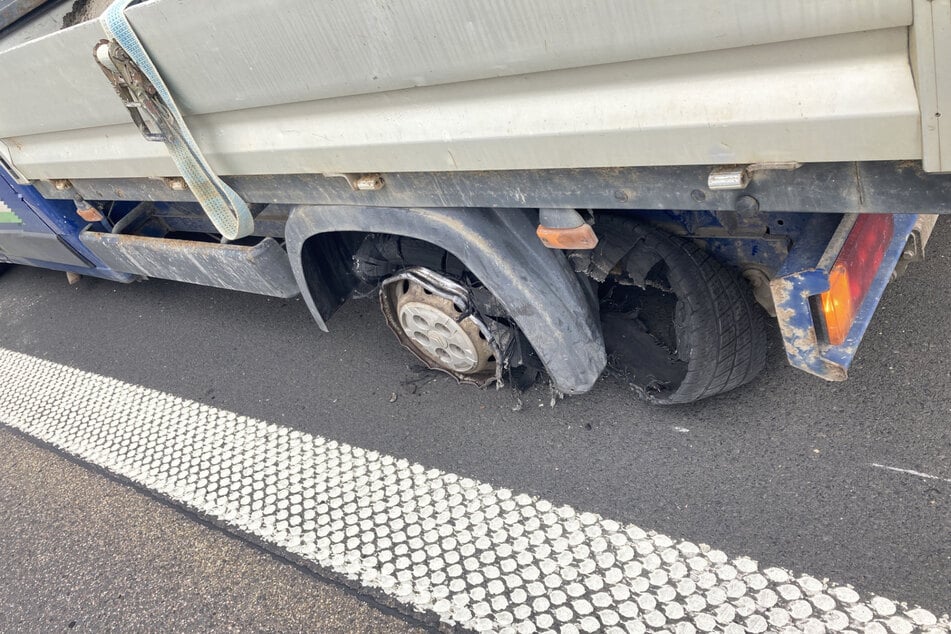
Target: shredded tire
(719,331)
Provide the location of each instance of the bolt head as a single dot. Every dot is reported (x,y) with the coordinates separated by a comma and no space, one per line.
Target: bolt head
(747,204)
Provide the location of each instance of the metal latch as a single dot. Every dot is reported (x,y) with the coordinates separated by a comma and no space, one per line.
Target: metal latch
(739,176)
(137,93)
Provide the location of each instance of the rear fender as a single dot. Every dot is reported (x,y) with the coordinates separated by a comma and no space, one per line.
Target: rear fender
(537,286)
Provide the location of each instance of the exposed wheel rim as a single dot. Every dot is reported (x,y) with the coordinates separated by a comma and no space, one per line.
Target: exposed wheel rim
(439,327)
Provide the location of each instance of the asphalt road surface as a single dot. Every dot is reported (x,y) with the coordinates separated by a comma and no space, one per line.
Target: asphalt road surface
(84,553)
(848,481)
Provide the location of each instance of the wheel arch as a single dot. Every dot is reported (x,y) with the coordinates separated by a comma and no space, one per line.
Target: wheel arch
(537,286)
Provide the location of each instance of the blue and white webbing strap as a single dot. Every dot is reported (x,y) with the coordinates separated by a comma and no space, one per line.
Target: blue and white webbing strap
(228,212)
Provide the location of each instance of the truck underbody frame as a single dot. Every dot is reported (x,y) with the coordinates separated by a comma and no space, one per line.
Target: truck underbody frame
(856,187)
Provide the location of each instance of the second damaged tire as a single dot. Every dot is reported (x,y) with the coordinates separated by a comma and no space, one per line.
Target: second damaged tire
(681,325)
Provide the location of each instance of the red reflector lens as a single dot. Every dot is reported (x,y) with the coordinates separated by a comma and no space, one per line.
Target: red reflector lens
(853,273)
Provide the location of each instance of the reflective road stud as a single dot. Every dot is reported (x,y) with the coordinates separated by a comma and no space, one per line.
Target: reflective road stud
(475,556)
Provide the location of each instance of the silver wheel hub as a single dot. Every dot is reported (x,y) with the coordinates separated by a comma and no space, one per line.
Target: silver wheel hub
(432,317)
(439,336)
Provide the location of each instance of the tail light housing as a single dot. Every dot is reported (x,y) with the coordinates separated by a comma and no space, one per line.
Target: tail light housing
(853,272)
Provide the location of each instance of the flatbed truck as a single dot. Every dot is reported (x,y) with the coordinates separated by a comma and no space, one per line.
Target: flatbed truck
(536,187)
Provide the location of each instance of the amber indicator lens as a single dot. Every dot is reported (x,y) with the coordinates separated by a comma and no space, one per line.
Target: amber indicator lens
(853,273)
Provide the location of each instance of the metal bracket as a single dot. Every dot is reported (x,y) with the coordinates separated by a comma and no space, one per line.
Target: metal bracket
(362,182)
(739,176)
(917,241)
(175,183)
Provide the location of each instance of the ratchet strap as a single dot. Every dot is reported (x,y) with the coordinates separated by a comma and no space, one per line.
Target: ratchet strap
(226,210)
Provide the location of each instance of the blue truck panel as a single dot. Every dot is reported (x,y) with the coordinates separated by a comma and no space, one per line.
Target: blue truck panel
(806,275)
(45,233)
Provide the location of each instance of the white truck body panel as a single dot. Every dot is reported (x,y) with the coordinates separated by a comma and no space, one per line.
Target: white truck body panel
(438,85)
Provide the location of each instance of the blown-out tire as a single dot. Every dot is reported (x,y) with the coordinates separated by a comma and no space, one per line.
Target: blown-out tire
(712,337)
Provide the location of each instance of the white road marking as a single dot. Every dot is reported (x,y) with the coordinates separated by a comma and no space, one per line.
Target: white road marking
(476,556)
(927,476)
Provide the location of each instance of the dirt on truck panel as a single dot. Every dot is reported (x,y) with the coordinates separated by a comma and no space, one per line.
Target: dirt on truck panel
(83,10)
